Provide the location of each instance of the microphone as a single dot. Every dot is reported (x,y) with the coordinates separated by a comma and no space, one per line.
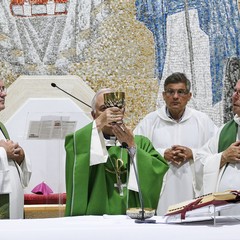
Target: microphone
(142,220)
(55,85)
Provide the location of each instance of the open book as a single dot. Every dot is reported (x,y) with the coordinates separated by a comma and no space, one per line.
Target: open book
(215,199)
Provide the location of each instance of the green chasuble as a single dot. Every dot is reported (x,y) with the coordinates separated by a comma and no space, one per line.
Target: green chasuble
(91,190)
(227,135)
(4,130)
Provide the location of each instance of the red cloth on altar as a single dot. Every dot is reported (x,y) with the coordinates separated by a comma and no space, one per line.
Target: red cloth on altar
(53,198)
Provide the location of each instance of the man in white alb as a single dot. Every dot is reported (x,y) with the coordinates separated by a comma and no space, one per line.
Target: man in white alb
(176,132)
(220,156)
(15,169)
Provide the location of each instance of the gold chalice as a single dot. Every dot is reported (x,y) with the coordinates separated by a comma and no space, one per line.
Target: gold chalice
(114,99)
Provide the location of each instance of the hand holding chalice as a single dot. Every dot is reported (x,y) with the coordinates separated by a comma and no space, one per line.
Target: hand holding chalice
(114,99)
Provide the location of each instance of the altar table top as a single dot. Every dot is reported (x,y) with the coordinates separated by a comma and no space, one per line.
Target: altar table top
(116,228)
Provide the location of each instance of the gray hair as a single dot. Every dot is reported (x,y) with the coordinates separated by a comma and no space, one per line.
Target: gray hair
(178,77)
(103,90)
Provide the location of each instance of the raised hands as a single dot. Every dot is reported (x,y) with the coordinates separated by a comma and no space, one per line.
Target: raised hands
(123,134)
(112,118)
(109,117)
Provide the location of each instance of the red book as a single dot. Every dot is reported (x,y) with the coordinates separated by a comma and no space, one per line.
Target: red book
(216,199)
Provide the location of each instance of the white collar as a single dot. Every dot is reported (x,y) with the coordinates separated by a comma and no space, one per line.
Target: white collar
(112,141)
(237,119)
(170,116)
(162,113)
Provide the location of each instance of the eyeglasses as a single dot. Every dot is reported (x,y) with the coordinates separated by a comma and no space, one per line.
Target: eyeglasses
(180,92)
(3,89)
(237,92)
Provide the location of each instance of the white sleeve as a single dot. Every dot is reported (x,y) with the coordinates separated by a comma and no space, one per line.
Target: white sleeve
(207,166)
(25,171)
(5,185)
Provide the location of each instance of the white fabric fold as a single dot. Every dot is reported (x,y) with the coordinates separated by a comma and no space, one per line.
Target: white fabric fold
(237,119)
(132,181)
(5,186)
(99,154)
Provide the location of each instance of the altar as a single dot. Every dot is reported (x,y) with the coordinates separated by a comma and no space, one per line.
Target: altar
(116,227)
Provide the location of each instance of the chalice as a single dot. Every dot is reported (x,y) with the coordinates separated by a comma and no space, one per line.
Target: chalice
(114,99)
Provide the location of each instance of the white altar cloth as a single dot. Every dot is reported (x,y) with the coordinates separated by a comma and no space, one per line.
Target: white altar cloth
(115,227)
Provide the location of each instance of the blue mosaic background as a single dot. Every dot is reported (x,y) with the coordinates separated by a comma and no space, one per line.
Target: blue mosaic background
(218,19)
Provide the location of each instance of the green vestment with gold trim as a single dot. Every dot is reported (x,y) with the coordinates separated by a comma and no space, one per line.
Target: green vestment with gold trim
(91,190)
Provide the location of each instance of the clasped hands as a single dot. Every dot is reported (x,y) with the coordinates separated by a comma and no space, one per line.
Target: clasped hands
(13,150)
(178,155)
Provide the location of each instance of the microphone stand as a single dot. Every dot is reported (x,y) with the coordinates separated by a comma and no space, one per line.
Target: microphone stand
(55,85)
(142,220)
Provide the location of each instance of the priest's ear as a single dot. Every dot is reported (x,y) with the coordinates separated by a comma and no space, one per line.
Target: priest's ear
(93,113)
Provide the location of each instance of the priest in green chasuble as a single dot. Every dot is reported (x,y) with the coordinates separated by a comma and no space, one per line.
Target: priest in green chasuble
(220,157)
(100,178)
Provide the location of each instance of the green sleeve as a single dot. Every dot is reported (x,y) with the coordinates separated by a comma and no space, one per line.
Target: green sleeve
(151,170)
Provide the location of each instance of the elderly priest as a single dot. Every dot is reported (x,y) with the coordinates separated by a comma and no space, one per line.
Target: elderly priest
(100,176)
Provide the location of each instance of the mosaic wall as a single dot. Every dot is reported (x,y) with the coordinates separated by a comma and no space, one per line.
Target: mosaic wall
(197,38)
(232,74)
(100,41)
(125,44)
